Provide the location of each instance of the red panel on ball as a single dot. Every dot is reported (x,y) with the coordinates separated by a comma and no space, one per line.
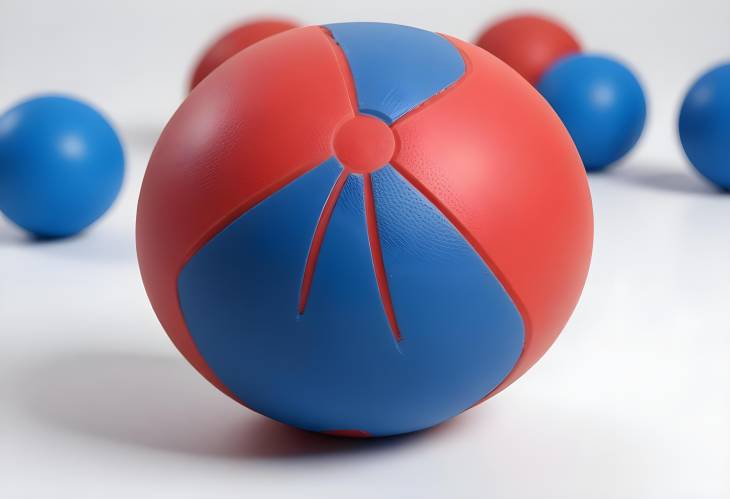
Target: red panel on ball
(244,132)
(517,189)
(364,144)
(529,44)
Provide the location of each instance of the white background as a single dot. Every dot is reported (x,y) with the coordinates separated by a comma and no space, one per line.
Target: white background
(632,402)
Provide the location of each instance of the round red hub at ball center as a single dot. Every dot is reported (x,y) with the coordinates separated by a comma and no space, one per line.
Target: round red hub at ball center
(364,144)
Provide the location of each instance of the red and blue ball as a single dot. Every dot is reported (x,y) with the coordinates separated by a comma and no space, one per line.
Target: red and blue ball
(364,229)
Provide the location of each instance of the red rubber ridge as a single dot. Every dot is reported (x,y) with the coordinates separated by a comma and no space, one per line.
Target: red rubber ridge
(443,91)
(318,239)
(344,66)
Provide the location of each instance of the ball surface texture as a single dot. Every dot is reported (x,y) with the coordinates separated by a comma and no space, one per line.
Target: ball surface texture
(530,44)
(234,41)
(61,165)
(601,103)
(704,125)
(363,228)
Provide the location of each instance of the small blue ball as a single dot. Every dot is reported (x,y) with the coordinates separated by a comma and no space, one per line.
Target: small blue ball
(601,104)
(704,125)
(61,165)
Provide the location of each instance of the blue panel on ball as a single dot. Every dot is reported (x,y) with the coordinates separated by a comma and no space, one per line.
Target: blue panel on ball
(396,68)
(704,125)
(239,293)
(338,365)
(447,302)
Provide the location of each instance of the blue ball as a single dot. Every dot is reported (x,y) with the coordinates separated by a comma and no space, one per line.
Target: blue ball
(61,165)
(704,125)
(601,104)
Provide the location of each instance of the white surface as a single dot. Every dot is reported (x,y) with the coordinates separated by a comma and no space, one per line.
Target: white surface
(632,402)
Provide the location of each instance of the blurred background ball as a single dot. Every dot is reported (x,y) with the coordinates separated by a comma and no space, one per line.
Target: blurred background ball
(530,44)
(61,165)
(704,125)
(233,42)
(314,221)
(601,103)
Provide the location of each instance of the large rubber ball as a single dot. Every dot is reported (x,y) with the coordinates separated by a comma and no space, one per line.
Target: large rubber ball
(347,231)
(530,44)
(704,125)
(600,102)
(233,41)
(61,165)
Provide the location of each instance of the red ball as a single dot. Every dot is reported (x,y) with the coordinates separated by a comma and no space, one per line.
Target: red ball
(530,44)
(233,42)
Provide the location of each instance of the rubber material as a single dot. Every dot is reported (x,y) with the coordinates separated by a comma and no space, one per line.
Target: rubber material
(601,104)
(247,278)
(483,163)
(704,125)
(204,172)
(396,68)
(529,44)
(515,188)
(364,144)
(61,165)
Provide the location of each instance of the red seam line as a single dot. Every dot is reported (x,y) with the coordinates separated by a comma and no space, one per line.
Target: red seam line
(242,208)
(444,91)
(318,239)
(344,68)
(474,244)
(377,257)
